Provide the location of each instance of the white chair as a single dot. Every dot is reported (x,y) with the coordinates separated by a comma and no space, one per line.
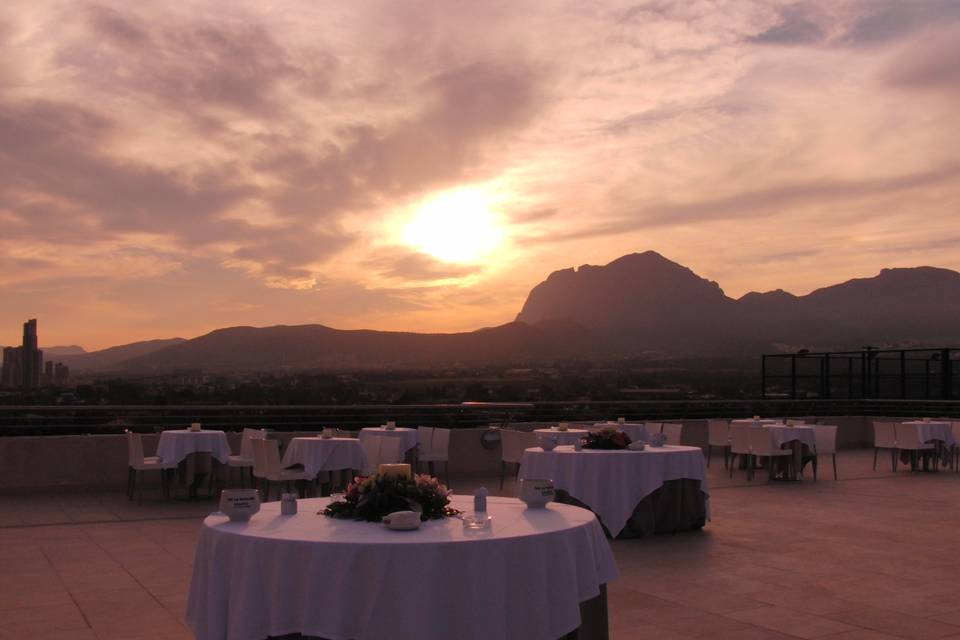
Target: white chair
(381,450)
(908,439)
(138,464)
(955,428)
(512,444)
(673,432)
(436,448)
(266,465)
(740,446)
(825,438)
(653,427)
(244,461)
(884,437)
(718,435)
(761,446)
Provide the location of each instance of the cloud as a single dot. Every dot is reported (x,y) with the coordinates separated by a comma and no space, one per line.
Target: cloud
(410,266)
(797,26)
(929,64)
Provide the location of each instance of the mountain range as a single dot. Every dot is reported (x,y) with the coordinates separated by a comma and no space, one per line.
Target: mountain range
(639,303)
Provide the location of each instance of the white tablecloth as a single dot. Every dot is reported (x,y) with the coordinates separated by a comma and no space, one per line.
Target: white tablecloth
(325,454)
(753,423)
(177,444)
(341,579)
(637,431)
(930,431)
(409,437)
(570,436)
(781,434)
(612,483)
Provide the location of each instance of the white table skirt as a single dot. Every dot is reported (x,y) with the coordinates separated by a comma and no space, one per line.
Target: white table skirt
(176,444)
(347,580)
(637,431)
(612,483)
(325,454)
(409,437)
(931,431)
(781,434)
(570,436)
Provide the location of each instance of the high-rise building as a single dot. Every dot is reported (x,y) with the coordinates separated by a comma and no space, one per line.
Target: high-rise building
(23,365)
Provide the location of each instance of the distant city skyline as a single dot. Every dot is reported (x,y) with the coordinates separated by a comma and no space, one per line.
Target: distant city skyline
(166,170)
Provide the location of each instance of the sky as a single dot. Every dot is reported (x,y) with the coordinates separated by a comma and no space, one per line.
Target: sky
(167,169)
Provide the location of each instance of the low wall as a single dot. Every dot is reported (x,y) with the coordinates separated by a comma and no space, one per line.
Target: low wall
(100,461)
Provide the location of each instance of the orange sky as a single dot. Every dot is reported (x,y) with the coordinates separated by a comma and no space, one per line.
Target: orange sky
(167,170)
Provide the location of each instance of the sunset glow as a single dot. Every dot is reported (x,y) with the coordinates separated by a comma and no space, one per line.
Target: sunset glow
(457,226)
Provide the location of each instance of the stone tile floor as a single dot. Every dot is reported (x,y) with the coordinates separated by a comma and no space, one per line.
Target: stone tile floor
(872,556)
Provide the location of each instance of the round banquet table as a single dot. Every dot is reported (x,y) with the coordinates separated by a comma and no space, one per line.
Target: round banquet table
(176,444)
(781,434)
(524,579)
(613,483)
(570,436)
(933,431)
(409,437)
(324,454)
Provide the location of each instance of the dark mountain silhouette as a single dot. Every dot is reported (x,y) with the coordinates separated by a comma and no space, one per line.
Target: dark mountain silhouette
(71,350)
(106,359)
(317,346)
(647,299)
(638,303)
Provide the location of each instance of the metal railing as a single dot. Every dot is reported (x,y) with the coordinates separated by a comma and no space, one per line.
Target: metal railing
(77,419)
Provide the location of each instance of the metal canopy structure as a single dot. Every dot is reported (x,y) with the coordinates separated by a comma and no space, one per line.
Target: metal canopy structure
(919,373)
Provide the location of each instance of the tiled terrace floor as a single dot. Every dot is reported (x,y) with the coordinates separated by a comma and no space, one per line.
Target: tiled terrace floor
(872,556)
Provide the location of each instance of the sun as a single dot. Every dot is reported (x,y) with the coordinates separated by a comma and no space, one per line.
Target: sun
(460,226)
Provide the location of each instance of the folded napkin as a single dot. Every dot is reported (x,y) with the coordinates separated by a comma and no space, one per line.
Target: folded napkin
(636,446)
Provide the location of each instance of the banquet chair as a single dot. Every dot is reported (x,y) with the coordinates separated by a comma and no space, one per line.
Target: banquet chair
(884,437)
(138,464)
(381,450)
(244,461)
(437,449)
(740,446)
(761,446)
(673,432)
(908,439)
(825,439)
(272,472)
(718,435)
(653,427)
(512,445)
(955,428)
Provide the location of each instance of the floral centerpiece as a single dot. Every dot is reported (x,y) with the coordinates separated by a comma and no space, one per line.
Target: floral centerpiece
(372,497)
(608,438)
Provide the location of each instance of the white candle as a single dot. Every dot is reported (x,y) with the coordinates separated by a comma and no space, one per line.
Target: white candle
(399,470)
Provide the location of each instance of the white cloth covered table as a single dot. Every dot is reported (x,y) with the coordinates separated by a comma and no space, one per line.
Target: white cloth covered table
(409,437)
(176,444)
(931,431)
(325,454)
(781,434)
(636,431)
(570,436)
(612,483)
(753,423)
(342,579)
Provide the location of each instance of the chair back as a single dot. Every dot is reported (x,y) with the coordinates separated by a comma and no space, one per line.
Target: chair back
(134,448)
(740,438)
(825,437)
(718,432)
(884,435)
(653,427)
(390,450)
(271,458)
(425,439)
(246,450)
(908,437)
(512,444)
(673,432)
(761,442)
(371,450)
(259,459)
(440,445)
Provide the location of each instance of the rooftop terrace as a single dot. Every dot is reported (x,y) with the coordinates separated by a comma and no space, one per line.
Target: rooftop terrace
(870,556)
